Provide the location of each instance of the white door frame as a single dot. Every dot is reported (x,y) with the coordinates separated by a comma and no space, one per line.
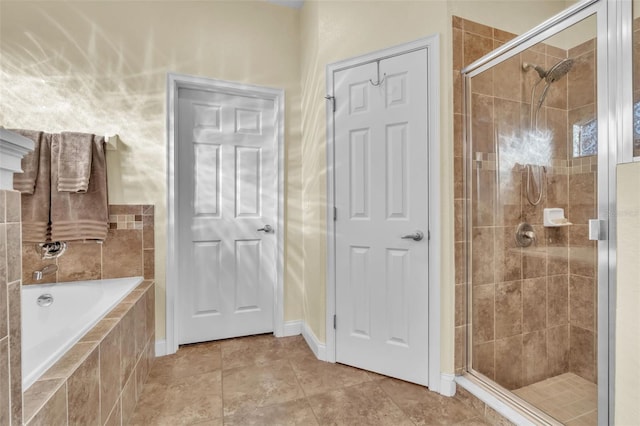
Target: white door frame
(432,45)
(174,83)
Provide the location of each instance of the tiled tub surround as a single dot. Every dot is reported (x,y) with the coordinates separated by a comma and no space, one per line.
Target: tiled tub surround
(534,308)
(99,380)
(49,331)
(128,251)
(10,330)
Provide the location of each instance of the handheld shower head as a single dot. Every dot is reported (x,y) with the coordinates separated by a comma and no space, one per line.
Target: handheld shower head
(554,73)
(559,70)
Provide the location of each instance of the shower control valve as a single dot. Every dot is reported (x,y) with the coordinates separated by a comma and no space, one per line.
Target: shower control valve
(525,236)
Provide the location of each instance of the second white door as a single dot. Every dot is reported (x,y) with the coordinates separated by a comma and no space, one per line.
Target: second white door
(228,194)
(381,196)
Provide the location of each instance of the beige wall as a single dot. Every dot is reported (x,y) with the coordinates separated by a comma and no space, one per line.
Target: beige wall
(627,378)
(101,67)
(515,16)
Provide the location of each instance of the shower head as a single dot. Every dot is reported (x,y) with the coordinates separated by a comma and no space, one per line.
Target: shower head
(559,70)
(554,73)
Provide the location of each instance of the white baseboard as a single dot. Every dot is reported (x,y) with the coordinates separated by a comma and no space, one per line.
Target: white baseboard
(447,384)
(319,349)
(161,348)
(292,328)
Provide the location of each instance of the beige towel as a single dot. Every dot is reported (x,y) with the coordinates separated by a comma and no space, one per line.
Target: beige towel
(35,207)
(74,161)
(25,182)
(80,216)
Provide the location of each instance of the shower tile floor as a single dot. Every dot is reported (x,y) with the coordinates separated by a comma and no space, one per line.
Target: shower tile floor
(261,380)
(567,397)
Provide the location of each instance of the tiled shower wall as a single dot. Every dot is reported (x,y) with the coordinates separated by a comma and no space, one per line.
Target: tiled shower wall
(582,199)
(527,302)
(127,251)
(10,327)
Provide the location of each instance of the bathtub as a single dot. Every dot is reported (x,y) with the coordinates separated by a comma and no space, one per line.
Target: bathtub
(49,331)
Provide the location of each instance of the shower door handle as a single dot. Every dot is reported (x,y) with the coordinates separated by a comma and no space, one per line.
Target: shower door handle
(597,230)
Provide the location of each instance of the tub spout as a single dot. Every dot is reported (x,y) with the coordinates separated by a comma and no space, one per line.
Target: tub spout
(49,269)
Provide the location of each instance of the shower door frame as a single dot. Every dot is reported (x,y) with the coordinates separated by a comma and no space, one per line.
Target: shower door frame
(612,68)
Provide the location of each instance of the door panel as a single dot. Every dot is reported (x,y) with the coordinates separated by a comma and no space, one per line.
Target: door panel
(359,182)
(396,162)
(228,190)
(207,180)
(381,195)
(397,265)
(248,183)
(248,260)
(360,264)
(207,260)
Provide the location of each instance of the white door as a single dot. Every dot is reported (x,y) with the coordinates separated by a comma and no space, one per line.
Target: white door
(381,196)
(228,193)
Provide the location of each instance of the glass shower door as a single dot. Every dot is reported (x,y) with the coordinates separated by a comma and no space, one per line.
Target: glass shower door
(533,136)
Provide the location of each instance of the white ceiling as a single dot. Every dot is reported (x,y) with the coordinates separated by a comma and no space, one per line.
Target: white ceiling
(295,4)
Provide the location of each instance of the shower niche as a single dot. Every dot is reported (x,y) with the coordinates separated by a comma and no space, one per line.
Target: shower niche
(530,156)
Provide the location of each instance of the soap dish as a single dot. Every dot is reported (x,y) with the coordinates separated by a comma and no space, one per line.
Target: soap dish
(555,218)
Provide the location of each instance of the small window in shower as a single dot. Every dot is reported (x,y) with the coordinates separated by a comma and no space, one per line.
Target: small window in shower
(636,129)
(585,138)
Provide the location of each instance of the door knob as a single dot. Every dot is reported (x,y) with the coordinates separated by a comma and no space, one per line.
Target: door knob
(416,236)
(267,229)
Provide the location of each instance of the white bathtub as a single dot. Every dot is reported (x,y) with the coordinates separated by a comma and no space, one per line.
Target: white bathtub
(48,332)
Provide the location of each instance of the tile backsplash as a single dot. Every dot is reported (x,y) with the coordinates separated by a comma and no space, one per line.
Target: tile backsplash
(127,251)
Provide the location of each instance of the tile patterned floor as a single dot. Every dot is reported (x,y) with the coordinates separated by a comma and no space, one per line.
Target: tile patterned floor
(261,380)
(568,398)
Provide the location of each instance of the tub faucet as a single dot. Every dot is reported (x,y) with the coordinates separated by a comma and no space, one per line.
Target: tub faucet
(49,269)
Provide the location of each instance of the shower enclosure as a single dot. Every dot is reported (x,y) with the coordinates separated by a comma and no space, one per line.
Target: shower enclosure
(535,179)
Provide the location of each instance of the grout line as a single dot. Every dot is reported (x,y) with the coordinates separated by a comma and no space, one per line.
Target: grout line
(295,375)
(66,395)
(3,228)
(102,260)
(100,382)
(306,397)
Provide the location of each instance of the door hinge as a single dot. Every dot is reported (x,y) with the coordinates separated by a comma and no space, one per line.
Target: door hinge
(334,322)
(428,235)
(333,101)
(335,213)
